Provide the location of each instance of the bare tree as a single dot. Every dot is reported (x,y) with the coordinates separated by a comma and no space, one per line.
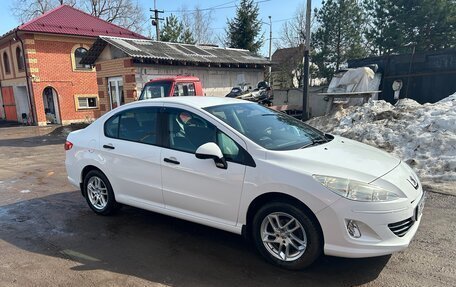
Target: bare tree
(199,21)
(25,10)
(294,30)
(125,13)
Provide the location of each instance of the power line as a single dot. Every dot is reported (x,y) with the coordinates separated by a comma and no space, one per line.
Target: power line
(281,20)
(223,4)
(212,8)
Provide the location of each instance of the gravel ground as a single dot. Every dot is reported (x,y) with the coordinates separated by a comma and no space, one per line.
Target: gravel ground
(49,237)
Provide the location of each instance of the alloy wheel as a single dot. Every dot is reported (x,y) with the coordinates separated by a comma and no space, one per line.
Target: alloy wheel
(97,192)
(283,236)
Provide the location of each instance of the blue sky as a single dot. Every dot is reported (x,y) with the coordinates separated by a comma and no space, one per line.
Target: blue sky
(278,9)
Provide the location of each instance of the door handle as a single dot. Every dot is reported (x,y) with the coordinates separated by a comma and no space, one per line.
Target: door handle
(173,161)
(108,146)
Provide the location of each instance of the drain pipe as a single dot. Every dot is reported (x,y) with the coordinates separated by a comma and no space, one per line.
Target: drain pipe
(27,78)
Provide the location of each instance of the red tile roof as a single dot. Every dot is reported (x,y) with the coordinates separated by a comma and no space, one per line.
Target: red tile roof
(70,21)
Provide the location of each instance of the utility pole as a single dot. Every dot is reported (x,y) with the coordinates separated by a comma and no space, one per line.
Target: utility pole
(305,71)
(156,20)
(270,50)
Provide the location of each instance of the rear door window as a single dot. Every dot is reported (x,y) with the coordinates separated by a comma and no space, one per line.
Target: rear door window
(137,125)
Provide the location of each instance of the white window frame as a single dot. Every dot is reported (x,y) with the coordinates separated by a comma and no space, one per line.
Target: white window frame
(79,97)
(117,92)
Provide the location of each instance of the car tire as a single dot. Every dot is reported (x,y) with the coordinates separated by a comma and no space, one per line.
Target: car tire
(99,194)
(286,236)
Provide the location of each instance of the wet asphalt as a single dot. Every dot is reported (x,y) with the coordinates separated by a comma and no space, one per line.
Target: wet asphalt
(50,237)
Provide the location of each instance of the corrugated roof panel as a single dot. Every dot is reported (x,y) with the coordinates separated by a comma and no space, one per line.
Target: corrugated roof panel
(197,50)
(125,44)
(148,49)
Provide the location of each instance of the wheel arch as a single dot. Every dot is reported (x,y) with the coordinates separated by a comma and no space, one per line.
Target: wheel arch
(265,198)
(84,172)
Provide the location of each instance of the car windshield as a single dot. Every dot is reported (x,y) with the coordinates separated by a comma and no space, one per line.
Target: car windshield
(156,90)
(268,128)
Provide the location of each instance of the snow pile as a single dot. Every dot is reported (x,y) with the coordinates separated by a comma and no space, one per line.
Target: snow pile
(424,136)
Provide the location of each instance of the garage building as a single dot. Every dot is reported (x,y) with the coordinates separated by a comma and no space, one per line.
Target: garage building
(124,65)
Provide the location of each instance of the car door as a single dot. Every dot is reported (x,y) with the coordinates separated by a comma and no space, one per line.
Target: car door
(195,186)
(130,145)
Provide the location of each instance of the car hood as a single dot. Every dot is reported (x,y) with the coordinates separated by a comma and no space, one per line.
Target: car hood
(341,157)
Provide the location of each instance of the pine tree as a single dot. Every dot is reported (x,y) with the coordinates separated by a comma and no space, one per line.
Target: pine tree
(187,37)
(339,36)
(383,33)
(172,29)
(398,24)
(244,29)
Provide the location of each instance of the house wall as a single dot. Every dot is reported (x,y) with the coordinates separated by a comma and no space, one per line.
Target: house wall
(15,79)
(122,67)
(51,64)
(216,81)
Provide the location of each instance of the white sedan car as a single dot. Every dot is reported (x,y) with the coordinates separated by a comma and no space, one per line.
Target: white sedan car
(238,166)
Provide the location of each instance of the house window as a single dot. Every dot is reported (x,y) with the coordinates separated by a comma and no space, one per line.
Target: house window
(84,102)
(20,59)
(79,53)
(6,63)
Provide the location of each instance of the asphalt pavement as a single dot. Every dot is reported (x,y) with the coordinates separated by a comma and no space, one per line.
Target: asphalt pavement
(50,237)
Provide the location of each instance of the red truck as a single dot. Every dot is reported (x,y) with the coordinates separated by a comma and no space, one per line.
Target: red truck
(174,86)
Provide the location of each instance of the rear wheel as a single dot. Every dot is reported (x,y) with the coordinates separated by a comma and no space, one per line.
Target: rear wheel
(99,194)
(286,236)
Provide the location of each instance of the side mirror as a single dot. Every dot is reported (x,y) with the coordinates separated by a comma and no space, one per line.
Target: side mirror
(212,151)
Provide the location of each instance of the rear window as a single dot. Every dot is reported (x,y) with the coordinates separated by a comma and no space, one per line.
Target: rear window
(156,90)
(184,89)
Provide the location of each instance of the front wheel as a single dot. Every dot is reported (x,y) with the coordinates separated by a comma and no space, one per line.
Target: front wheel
(99,194)
(286,236)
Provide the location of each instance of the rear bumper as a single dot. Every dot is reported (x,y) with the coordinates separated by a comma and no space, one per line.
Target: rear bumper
(72,174)
(73,182)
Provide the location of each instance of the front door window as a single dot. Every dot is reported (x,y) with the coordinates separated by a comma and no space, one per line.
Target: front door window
(116,94)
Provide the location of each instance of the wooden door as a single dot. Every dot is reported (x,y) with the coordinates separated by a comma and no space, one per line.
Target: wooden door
(9,104)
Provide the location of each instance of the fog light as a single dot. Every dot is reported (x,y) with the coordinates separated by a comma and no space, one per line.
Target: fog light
(353,229)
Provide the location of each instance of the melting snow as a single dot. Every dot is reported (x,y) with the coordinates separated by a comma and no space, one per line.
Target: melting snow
(422,135)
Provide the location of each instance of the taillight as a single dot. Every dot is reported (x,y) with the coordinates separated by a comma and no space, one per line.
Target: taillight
(68,145)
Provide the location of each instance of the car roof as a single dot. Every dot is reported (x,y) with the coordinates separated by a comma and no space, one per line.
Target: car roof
(176,78)
(195,101)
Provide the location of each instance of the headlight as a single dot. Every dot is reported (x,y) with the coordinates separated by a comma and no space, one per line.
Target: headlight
(356,190)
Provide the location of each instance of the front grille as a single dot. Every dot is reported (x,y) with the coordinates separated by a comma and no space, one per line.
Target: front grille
(402,227)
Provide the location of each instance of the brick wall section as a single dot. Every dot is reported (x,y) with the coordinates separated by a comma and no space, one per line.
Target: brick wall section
(50,65)
(122,67)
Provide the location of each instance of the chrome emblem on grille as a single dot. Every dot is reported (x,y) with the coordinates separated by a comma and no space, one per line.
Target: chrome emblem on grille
(413,182)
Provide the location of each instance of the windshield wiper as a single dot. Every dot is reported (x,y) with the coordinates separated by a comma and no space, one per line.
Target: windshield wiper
(315,142)
(319,141)
(306,145)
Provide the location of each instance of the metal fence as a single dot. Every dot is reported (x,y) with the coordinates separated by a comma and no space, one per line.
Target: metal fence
(427,77)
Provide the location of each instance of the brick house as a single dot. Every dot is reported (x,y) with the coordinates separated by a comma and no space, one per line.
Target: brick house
(41,78)
(124,65)
(287,67)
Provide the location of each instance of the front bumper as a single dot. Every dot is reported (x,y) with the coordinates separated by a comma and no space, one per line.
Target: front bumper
(372,218)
